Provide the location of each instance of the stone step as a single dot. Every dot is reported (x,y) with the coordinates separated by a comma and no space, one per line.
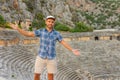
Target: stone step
(17,63)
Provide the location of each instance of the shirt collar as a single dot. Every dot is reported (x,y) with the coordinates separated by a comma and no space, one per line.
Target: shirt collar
(47,30)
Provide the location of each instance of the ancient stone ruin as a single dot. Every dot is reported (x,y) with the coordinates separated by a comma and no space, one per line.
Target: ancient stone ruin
(99,59)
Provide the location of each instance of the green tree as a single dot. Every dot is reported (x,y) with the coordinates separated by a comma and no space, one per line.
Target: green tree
(61,27)
(81,27)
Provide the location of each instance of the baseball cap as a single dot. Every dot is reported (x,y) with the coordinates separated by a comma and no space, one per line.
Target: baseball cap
(50,17)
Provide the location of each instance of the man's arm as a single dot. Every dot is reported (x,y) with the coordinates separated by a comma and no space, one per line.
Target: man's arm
(66,45)
(23,32)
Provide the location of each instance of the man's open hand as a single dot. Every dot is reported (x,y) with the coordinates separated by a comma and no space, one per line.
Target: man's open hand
(76,52)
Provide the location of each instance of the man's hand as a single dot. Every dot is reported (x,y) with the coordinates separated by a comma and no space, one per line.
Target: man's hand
(76,52)
(23,32)
(14,26)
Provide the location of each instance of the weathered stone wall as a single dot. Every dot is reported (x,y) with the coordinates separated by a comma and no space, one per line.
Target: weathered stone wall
(11,37)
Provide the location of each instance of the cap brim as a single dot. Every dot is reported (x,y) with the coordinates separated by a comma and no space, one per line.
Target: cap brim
(50,17)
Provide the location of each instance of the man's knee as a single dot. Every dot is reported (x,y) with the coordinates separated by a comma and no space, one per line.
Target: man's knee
(50,76)
(36,76)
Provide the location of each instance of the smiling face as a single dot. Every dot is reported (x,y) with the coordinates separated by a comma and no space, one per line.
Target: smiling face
(50,23)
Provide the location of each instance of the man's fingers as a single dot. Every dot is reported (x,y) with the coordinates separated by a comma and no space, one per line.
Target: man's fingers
(76,51)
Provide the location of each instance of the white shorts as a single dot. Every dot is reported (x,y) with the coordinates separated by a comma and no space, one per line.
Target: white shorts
(40,64)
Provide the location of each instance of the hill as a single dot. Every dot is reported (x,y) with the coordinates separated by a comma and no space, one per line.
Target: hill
(99,14)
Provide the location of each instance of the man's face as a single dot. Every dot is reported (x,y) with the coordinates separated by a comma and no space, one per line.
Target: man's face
(50,23)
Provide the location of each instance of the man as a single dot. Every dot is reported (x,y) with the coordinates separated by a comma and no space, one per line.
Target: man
(46,56)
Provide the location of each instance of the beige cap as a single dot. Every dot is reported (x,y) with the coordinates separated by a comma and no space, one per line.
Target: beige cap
(50,17)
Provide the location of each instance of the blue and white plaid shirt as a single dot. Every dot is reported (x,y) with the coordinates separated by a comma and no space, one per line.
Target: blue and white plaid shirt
(48,42)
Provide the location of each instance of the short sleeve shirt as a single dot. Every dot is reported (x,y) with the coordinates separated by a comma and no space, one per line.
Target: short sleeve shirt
(47,42)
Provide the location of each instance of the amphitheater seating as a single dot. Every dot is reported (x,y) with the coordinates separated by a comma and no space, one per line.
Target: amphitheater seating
(65,73)
(17,62)
(107,77)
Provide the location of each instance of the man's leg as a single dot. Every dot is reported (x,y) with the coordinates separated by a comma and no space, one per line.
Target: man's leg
(50,76)
(52,68)
(36,76)
(39,66)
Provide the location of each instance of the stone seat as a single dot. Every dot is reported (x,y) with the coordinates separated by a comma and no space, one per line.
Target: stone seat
(107,77)
(16,62)
(65,73)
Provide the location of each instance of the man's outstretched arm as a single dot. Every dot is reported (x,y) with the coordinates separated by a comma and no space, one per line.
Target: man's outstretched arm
(23,32)
(66,45)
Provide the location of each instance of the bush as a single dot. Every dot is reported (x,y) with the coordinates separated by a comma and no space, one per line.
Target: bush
(30,28)
(61,27)
(39,16)
(81,27)
(38,24)
(2,21)
(7,25)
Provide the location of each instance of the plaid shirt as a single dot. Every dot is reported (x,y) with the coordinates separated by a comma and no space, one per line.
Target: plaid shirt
(47,42)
